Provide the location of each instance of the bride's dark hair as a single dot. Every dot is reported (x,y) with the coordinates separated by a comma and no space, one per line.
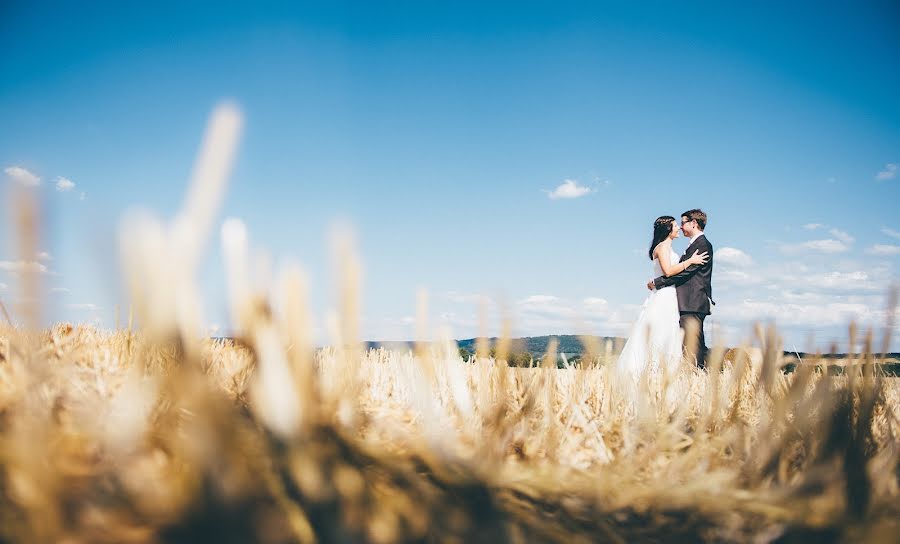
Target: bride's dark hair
(661,229)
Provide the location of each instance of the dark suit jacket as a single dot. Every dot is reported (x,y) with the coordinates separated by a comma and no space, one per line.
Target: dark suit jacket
(694,284)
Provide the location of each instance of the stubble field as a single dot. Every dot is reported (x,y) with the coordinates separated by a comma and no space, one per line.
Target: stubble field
(111,437)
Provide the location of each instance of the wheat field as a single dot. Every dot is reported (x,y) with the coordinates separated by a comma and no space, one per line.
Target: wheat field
(156,433)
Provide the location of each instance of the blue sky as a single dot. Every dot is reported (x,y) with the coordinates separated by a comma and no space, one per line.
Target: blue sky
(440,131)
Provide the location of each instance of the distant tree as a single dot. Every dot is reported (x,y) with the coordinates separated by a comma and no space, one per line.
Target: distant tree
(520,359)
(574,362)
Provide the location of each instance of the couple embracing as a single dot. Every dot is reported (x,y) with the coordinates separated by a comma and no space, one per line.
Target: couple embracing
(671,319)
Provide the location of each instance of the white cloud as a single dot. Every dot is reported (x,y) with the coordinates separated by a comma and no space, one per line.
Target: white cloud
(813,314)
(884,250)
(851,281)
(837,280)
(736,275)
(860,280)
(89,307)
(3,286)
(732,256)
(891,232)
(22,266)
(819,245)
(23,176)
(569,189)
(59,290)
(553,312)
(842,236)
(595,306)
(889,172)
(64,184)
(538,300)
(466,298)
(828,245)
(44,256)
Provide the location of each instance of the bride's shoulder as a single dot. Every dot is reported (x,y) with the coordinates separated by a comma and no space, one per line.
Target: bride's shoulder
(665,245)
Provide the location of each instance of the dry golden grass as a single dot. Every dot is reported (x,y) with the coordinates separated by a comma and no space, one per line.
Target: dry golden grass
(108,437)
(158,434)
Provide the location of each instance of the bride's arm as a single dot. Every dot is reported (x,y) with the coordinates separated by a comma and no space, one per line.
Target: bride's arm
(663,253)
(669,268)
(681,277)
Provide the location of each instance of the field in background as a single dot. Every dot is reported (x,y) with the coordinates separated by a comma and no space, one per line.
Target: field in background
(528,351)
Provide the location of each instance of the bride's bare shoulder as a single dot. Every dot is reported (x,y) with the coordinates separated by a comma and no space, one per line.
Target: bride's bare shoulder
(662,246)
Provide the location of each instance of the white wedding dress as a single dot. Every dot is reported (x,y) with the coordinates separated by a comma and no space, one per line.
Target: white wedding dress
(655,342)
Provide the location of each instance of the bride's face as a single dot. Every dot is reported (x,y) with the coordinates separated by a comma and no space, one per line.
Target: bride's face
(675,231)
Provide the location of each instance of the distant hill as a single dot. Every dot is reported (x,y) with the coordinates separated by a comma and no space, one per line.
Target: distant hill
(569,344)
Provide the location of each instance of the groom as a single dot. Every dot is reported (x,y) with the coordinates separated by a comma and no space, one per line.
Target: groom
(693,285)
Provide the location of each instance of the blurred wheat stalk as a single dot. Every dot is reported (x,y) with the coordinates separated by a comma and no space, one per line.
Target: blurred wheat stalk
(159,434)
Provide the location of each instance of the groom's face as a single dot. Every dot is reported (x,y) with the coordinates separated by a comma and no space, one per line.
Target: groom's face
(687,226)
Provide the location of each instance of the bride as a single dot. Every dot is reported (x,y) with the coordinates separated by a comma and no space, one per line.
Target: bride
(655,342)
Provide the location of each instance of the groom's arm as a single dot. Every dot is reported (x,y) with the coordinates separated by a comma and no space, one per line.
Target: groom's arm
(677,279)
(683,276)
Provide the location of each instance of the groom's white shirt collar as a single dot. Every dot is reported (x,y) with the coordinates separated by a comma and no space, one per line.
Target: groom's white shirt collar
(695,236)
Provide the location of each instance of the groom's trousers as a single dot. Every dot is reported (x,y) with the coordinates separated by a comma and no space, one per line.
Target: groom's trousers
(692,323)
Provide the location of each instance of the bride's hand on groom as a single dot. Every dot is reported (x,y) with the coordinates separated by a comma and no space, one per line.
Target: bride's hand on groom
(698,258)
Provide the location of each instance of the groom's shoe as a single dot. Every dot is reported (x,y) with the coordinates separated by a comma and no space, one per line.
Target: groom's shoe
(701,362)
(702,354)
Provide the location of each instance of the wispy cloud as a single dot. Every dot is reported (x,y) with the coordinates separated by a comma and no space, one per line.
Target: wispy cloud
(44,256)
(797,276)
(857,280)
(3,286)
(22,266)
(23,176)
(889,172)
(569,188)
(801,313)
(839,234)
(538,300)
(891,232)
(842,236)
(596,306)
(732,256)
(547,308)
(64,184)
(466,298)
(602,182)
(737,276)
(55,290)
(89,307)
(884,250)
(828,245)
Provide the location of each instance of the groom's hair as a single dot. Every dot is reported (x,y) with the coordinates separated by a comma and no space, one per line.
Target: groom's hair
(697,215)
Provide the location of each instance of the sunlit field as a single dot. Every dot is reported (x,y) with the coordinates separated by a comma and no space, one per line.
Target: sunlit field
(156,433)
